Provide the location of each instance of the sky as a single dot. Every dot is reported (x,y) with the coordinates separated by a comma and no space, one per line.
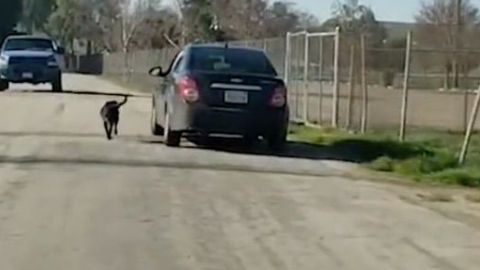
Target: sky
(385,10)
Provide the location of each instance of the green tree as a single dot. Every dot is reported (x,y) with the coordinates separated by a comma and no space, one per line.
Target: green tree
(36,14)
(280,19)
(10,13)
(79,20)
(199,17)
(354,20)
(64,23)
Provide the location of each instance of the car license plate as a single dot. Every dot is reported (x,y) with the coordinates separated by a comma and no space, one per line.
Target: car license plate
(27,75)
(236,97)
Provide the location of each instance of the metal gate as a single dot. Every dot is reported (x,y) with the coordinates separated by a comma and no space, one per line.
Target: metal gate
(312,76)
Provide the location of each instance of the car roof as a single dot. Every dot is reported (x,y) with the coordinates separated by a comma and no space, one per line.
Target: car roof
(219,45)
(28,37)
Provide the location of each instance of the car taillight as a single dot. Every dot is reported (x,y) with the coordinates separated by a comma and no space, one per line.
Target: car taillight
(279,97)
(188,89)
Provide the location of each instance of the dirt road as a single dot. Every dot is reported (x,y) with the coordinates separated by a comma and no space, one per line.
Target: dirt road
(70,199)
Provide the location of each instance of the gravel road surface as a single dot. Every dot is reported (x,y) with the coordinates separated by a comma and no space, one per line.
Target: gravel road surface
(70,199)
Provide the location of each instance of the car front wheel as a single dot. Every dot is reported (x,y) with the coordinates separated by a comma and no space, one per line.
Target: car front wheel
(3,85)
(57,84)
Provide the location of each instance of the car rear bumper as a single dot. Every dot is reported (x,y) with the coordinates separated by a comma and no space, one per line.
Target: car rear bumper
(27,74)
(235,121)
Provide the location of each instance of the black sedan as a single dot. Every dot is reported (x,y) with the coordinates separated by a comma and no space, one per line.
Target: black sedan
(220,90)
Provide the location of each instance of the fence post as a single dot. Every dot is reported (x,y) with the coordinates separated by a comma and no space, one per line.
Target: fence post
(336,82)
(320,77)
(305,79)
(351,80)
(465,110)
(297,80)
(403,120)
(364,86)
(286,72)
(471,126)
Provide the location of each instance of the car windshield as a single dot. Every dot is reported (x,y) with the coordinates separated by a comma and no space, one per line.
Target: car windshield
(18,44)
(231,60)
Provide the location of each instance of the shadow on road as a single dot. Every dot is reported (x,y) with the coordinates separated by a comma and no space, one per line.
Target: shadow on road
(79,92)
(50,134)
(349,150)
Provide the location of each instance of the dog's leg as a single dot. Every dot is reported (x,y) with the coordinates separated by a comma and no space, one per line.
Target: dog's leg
(115,126)
(108,130)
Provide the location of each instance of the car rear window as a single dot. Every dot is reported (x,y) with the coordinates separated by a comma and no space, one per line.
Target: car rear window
(231,60)
(18,44)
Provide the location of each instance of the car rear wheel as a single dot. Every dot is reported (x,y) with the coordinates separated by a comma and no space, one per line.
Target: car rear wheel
(249,141)
(3,85)
(156,129)
(277,142)
(57,84)
(171,138)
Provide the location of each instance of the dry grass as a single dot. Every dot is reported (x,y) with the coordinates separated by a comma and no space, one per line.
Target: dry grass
(436,197)
(473,197)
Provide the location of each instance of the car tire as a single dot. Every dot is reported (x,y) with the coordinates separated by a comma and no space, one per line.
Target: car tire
(57,86)
(156,129)
(277,142)
(249,141)
(3,85)
(171,138)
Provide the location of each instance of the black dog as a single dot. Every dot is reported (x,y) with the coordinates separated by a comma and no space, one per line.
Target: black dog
(110,114)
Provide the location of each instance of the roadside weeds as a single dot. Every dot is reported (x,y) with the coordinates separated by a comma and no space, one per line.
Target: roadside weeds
(428,157)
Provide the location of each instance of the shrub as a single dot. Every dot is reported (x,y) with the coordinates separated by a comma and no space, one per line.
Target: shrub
(437,162)
(382,164)
(411,166)
(467,177)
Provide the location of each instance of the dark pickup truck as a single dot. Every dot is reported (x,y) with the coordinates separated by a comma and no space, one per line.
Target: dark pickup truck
(30,59)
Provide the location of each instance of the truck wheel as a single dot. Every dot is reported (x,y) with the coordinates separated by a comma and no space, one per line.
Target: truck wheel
(3,85)
(57,84)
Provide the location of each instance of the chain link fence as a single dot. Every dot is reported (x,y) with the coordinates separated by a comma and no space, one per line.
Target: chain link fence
(312,65)
(132,68)
(331,84)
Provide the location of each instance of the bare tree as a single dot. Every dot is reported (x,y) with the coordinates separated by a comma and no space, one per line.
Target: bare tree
(449,26)
(160,29)
(133,16)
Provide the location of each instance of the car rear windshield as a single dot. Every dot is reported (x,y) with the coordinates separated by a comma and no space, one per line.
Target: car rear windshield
(231,60)
(18,44)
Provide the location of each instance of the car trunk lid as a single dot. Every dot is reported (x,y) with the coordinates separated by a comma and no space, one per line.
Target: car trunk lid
(236,90)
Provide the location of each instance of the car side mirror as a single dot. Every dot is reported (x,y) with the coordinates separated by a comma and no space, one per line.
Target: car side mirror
(61,50)
(156,72)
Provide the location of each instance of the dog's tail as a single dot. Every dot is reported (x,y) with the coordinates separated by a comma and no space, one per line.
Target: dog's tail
(125,100)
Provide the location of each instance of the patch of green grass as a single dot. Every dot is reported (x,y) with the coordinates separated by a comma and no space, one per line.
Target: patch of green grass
(464,176)
(427,156)
(382,164)
(316,136)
